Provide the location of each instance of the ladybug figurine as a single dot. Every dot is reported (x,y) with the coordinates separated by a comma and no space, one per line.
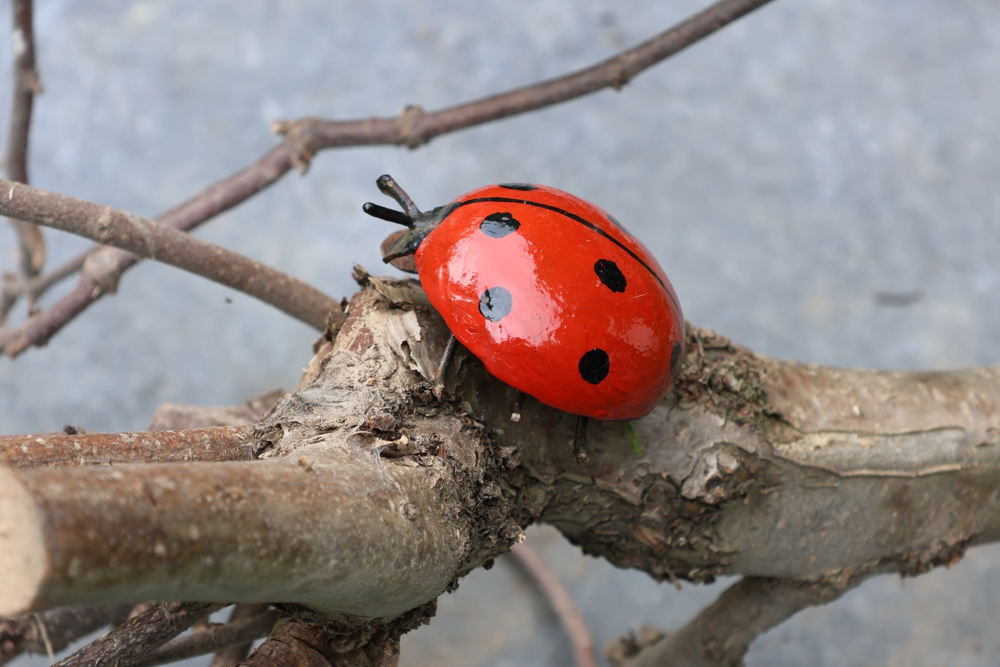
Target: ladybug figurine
(550,292)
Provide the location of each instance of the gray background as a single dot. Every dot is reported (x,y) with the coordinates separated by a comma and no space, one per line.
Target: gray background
(784,172)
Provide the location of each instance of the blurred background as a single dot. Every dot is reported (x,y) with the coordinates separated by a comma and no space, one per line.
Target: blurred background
(819,180)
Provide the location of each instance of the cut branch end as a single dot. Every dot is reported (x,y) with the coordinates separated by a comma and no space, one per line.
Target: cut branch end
(22,550)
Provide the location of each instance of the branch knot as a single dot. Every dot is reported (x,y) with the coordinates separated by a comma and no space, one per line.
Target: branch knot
(409,124)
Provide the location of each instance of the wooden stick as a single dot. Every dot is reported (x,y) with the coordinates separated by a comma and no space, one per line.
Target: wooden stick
(330,530)
(146,238)
(561,602)
(216,637)
(26,85)
(217,443)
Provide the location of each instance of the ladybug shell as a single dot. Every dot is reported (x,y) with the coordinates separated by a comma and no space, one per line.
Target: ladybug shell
(555,298)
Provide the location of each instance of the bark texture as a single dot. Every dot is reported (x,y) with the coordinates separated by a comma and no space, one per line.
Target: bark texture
(370,497)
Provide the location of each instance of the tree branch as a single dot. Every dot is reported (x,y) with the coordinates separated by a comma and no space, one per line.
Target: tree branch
(721,634)
(305,137)
(414,127)
(146,238)
(63,626)
(216,637)
(750,466)
(301,643)
(231,655)
(561,602)
(219,443)
(33,288)
(282,531)
(126,644)
(26,85)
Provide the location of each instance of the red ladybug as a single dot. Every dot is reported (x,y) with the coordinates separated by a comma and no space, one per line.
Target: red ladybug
(550,292)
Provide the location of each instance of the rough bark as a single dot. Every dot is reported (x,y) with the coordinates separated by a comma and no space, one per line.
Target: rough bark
(372,497)
(213,638)
(231,655)
(217,443)
(55,629)
(126,644)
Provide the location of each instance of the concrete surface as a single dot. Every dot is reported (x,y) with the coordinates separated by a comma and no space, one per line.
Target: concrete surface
(791,173)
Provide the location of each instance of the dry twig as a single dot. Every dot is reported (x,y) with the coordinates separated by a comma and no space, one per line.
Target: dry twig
(412,128)
(26,85)
(14,287)
(231,655)
(146,238)
(216,637)
(561,602)
(130,641)
(63,626)
(217,443)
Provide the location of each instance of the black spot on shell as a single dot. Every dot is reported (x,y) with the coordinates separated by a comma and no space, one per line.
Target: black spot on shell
(495,303)
(610,275)
(499,225)
(594,366)
(518,186)
(676,355)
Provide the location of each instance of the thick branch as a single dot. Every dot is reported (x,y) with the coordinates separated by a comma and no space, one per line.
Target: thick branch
(310,529)
(373,496)
(26,85)
(412,128)
(219,443)
(148,239)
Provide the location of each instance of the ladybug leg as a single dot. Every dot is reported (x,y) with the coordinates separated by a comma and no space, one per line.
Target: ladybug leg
(515,405)
(580,439)
(449,351)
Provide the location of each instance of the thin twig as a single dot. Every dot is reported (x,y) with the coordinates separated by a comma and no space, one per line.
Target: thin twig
(136,637)
(560,601)
(26,85)
(216,637)
(45,637)
(62,626)
(35,287)
(146,238)
(231,655)
(216,443)
(412,128)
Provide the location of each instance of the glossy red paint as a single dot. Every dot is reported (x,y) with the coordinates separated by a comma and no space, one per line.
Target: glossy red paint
(571,282)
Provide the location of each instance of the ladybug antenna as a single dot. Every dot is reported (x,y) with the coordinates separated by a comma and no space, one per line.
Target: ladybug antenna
(387,214)
(419,224)
(389,187)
